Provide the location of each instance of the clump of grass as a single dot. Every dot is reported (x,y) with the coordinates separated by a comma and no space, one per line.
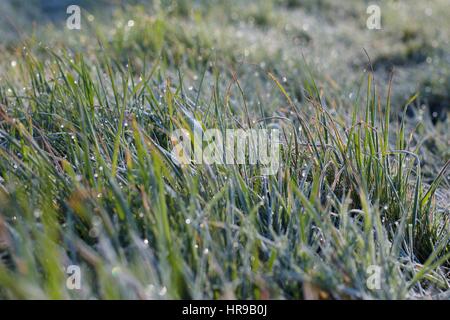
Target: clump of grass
(86,175)
(87,179)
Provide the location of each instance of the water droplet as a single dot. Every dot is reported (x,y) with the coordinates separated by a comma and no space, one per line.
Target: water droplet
(93,233)
(37,213)
(163,291)
(115,271)
(188,221)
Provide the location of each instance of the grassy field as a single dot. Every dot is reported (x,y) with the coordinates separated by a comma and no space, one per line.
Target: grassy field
(87,177)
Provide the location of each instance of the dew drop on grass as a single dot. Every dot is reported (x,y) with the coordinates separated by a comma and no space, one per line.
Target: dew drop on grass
(146,242)
(115,271)
(163,291)
(13,63)
(206,251)
(188,221)
(93,233)
(37,213)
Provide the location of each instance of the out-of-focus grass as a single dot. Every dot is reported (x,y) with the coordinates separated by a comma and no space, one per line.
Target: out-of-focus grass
(86,177)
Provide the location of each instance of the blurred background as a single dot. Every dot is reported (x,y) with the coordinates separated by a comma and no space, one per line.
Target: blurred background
(279,35)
